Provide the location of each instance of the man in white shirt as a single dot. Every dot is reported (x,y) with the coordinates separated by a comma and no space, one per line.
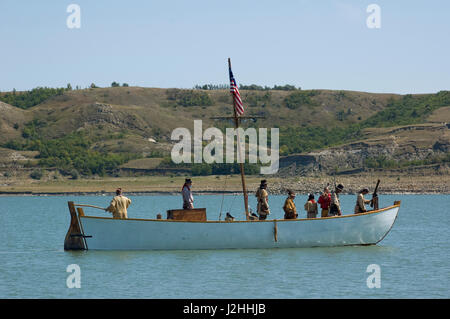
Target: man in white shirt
(188,199)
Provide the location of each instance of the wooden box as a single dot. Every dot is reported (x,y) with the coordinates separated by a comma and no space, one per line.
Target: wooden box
(196,214)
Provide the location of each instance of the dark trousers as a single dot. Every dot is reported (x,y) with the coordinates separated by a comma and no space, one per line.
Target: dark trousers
(290,215)
(333,210)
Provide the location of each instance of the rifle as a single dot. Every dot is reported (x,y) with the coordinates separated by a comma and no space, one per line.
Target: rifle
(374,202)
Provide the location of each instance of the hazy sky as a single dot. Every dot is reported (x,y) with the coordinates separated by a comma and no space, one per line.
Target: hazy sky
(311,44)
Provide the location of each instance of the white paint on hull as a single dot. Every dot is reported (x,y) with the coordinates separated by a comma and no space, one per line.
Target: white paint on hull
(142,234)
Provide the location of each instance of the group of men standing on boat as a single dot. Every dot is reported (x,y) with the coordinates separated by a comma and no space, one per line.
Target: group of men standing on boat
(329,203)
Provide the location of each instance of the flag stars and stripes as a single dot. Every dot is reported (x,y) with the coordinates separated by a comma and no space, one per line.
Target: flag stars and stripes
(239,107)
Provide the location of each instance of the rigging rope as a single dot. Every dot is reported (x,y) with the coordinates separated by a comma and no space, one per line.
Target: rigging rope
(223,196)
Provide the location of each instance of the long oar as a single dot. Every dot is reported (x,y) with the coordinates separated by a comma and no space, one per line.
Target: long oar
(92,206)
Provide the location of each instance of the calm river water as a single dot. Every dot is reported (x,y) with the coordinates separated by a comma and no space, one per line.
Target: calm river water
(414,258)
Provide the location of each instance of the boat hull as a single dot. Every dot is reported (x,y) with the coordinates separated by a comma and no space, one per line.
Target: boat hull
(141,234)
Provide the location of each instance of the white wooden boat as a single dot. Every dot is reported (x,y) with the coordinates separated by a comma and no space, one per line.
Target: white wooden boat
(195,232)
(104,233)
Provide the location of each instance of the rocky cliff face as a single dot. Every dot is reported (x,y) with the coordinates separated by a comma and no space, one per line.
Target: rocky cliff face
(408,143)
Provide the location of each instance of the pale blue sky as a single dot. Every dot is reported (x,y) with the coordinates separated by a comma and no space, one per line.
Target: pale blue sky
(174,43)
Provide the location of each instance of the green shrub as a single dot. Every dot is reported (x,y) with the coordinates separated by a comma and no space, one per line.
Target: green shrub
(380,161)
(189,97)
(212,87)
(201,169)
(74,174)
(308,138)
(36,174)
(298,99)
(286,87)
(408,110)
(27,99)
(71,152)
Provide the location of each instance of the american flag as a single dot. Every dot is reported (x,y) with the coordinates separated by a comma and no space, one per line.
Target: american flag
(239,107)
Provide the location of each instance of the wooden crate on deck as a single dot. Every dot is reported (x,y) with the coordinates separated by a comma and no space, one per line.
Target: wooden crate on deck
(196,214)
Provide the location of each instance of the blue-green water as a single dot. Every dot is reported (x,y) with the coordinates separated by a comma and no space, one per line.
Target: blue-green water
(414,258)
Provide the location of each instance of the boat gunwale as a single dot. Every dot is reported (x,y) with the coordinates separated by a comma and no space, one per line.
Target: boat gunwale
(248,221)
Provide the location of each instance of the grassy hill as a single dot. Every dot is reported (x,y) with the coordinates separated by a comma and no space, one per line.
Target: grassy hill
(99,130)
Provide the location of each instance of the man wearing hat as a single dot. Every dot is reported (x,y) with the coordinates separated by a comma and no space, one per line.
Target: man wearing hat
(360,201)
(119,205)
(290,211)
(335,206)
(263,200)
(188,199)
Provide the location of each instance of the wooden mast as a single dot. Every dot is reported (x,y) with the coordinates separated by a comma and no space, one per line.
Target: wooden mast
(236,125)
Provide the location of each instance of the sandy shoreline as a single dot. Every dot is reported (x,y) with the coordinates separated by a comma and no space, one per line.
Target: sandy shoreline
(159,193)
(231,184)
